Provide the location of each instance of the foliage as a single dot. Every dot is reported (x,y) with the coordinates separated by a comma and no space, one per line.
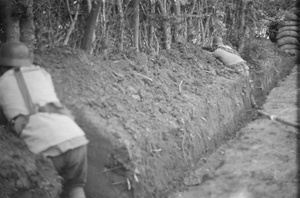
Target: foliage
(197,22)
(53,18)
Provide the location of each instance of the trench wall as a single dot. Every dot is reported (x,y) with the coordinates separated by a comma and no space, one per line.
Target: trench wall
(22,174)
(157,161)
(130,160)
(148,155)
(271,72)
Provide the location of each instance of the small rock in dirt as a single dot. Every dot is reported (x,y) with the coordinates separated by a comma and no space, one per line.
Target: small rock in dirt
(136,97)
(201,66)
(132,90)
(142,59)
(22,183)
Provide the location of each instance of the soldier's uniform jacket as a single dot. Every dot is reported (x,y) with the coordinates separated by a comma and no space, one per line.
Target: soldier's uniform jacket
(48,132)
(232,59)
(227,57)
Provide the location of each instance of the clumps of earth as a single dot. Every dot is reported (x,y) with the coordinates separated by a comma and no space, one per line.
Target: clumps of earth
(23,174)
(141,91)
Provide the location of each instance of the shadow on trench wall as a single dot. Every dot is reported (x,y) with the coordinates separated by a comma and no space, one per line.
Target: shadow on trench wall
(267,78)
(112,182)
(102,181)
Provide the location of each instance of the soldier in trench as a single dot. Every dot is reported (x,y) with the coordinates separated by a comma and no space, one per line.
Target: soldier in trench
(34,113)
(231,58)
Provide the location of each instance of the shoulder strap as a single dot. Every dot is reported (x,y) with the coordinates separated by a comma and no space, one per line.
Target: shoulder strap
(24,90)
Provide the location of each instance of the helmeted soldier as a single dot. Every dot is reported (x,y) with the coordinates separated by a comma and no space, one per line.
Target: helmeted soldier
(232,59)
(34,112)
(229,56)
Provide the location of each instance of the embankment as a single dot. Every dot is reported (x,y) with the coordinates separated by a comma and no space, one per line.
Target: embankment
(149,130)
(151,120)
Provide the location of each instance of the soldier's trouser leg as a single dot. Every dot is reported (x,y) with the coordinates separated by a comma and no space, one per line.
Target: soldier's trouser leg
(72,167)
(76,192)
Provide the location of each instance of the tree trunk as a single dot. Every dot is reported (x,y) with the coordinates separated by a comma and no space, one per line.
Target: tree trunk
(242,26)
(189,22)
(136,24)
(167,38)
(89,34)
(207,28)
(201,23)
(27,28)
(202,30)
(73,22)
(103,19)
(89,5)
(151,29)
(177,26)
(120,7)
(10,17)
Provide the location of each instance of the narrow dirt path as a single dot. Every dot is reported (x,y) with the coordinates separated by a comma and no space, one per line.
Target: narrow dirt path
(260,161)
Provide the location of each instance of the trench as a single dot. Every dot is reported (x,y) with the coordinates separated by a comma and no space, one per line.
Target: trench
(158,162)
(127,159)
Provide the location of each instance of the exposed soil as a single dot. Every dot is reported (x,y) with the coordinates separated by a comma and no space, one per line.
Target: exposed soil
(260,161)
(145,104)
(151,120)
(22,174)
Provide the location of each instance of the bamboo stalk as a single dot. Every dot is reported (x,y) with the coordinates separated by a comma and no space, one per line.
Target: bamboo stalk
(122,19)
(73,21)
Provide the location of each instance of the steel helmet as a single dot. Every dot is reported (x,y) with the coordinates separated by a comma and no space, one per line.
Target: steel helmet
(15,54)
(217,41)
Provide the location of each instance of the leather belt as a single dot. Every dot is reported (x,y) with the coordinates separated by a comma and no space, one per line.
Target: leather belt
(18,123)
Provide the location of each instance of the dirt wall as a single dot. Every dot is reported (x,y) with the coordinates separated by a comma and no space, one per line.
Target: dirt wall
(178,132)
(23,174)
(151,119)
(270,73)
(157,159)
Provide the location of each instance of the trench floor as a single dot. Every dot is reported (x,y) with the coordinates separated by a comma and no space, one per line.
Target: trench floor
(260,161)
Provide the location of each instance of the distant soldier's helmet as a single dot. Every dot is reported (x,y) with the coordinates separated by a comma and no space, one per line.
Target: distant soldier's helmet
(15,54)
(217,41)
